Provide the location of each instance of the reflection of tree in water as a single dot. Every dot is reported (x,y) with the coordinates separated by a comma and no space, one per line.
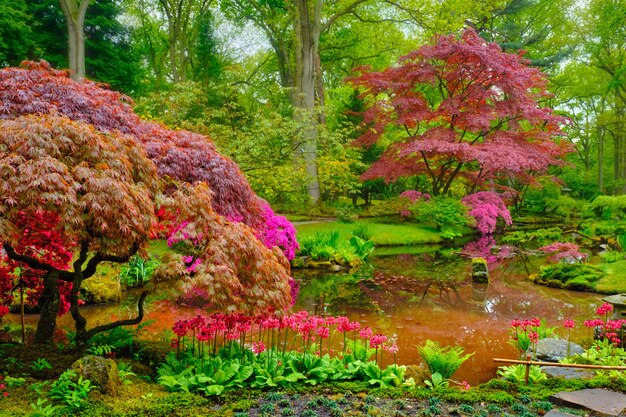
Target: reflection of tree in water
(334,293)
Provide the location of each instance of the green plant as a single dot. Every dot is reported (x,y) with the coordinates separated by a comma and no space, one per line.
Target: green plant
(517,373)
(436,382)
(41,409)
(73,394)
(448,214)
(40,364)
(101,350)
(442,360)
(138,271)
(362,248)
(125,371)
(363,231)
(612,256)
(13,382)
(345,213)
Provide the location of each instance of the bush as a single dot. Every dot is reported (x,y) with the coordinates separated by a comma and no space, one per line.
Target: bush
(448,214)
(609,207)
(578,277)
(138,271)
(345,213)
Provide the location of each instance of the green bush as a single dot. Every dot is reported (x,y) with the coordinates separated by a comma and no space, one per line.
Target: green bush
(578,277)
(137,272)
(609,207)
(448,214)
(345,213)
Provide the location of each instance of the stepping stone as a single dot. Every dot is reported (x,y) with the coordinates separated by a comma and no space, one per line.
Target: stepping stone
(555,413)
(601,402)
(568,373)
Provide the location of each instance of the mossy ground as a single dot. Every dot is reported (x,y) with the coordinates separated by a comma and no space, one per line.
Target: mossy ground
(614,282)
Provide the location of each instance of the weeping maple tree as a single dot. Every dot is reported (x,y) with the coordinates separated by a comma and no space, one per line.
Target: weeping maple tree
(94,194)
(179,155)
(460,108)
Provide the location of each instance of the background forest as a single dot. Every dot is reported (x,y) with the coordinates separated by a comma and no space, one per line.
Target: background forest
(243,72)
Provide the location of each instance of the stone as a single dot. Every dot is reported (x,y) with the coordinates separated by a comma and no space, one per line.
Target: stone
(598,401)
(553,350)
(101,289)
(568,373)
(102,373)
(480,271)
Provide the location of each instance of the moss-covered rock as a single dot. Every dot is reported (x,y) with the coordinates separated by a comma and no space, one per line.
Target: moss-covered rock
(480,271)
(101,289)
(102,373)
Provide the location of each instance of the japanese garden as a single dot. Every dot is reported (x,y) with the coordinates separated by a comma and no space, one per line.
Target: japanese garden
(254,208)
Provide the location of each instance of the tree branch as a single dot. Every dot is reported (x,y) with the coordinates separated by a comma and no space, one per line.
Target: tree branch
(128,322)
(28,260)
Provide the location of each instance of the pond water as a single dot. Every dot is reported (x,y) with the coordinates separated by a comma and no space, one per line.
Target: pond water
(414,297)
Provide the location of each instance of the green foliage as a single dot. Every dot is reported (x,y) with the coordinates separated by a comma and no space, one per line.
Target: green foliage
(577,277)
(437,382)
(362,248)
(564,206)
(533,239)
(517,373)
(362,231)
(608,207)
(442,360)
(40,364)
(101,350)
(137,272)
(73,394)
(345,213)
(448,214)
(41,409)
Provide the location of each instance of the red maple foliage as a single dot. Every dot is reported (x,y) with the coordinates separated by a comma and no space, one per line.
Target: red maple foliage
(36,88)
(460,108)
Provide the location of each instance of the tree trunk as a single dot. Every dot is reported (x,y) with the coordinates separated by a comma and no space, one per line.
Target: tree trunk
(600,159)
(307,51)
(619,164)
(74,12)
(79,321)
(48,308)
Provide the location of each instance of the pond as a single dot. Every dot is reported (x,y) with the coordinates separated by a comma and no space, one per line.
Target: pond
(414,297)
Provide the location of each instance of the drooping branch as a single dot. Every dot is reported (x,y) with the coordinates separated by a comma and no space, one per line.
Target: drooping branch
(128,322)
(92,265)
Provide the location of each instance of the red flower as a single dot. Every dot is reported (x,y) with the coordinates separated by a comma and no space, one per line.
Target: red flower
(568,324)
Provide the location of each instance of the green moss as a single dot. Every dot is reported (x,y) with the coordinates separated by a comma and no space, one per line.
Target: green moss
(102,288)
(578,277)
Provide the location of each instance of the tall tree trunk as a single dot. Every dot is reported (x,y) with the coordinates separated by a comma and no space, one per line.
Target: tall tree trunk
(74,12)
(600,159)
(307,54)
(619,164)
(48,308)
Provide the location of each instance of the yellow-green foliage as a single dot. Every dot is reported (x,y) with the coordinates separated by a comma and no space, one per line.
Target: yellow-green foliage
(103,287)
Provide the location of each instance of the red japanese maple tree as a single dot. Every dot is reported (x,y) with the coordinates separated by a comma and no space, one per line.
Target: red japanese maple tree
(36,88)
(459,108)
(70,198)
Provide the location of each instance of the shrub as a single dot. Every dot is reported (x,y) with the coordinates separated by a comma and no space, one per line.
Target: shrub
(345,213)
(609,207)
(448,214)
(487,208)
(137,272)
(579,277)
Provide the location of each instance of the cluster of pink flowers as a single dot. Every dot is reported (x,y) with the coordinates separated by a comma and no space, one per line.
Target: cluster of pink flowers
(525,333)
(278,231)
(486,208)
(273,332)
(608,328)
(561,250)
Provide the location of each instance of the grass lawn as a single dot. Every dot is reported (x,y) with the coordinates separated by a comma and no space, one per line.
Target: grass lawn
(383,234)
(615,280)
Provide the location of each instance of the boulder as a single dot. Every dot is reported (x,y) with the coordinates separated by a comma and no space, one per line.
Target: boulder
(102,373)
(568,373)
(553,350)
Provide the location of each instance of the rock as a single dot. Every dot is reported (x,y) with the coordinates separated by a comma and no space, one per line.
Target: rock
(598,401)
(553,350)
(555,413)
(102,373)
(480,272)
(101,290)
(335,268)
(568,373)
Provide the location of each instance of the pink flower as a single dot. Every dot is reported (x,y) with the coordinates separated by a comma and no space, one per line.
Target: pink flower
(174,343)
(5,393)
(366,333)
(465,386)
(258,347)
(516,323)
(4,310)
(568,324)
(605,308)
(180,328)
(392,348)
(534,337)
(323,332)
(377,340)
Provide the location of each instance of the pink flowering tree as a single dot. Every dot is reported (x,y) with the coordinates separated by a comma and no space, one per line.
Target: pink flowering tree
(566,251)
(487,208)
(459,108)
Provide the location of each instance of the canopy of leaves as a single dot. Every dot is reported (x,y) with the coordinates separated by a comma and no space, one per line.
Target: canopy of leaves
(453,109)
(179,155)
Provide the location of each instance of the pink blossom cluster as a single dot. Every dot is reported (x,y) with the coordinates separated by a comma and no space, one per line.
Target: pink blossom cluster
(486,208)
(4,310)
(3,387)
(278,231)
(563,250)
(264,332)
(608,328)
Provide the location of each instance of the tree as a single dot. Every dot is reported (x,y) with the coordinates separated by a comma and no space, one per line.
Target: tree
(15,32)
(453,109)
(74,12)
(178,157)
(97,189)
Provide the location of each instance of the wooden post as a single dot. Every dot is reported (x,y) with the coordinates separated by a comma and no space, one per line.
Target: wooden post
(527,373)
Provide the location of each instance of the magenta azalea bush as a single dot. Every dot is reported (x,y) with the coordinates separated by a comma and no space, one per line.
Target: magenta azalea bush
(278,231)
(486,208)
